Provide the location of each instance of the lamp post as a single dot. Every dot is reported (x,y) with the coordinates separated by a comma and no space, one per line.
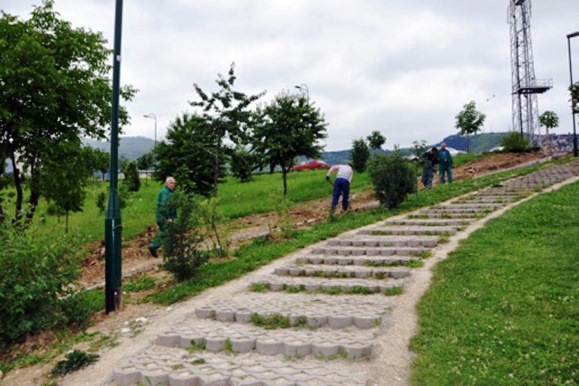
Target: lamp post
(113,224)
(152,115)
(569,37)
(304,88)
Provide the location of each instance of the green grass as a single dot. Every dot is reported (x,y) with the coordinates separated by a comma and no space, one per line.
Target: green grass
(503,308)
(252,256)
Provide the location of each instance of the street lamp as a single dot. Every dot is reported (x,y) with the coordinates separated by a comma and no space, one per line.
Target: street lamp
(152,115)
(569,37)
(304,88)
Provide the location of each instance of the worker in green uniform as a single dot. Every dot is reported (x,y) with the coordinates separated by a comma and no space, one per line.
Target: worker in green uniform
(445,164)
(163,214)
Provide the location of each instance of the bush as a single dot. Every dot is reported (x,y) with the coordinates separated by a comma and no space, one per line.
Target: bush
(132,177)
(101,202)
(359,155)
(516,143)
(183,237)
(242,164)
(393,179)
(35,292)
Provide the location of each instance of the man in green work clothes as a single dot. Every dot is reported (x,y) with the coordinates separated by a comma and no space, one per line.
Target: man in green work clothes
(445,164)
(163,214)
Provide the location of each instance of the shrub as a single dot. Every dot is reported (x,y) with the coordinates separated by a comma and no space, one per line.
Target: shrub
(101,201)
(242,164)
(132,177)
(516,143)
(393,179)
(183,237)
(35,292)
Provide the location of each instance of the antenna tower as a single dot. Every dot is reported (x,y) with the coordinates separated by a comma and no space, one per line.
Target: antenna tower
(525,87)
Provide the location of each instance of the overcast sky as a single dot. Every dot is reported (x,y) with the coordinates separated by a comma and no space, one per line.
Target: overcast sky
(403,67)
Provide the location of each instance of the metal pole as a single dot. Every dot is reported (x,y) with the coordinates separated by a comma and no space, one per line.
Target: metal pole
(152,115)
(572,35)
(113,227)
(303,87)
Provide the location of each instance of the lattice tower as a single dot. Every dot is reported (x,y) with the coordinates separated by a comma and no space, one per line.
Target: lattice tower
(525,86)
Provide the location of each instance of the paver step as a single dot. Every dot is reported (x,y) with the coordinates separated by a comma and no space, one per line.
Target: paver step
(410,230)
(427,213)
(301,309)
(493,198)
(328,286)
(471,206)
(177,367)
(459,210)
(373,261)
(370,251)
(343,271)
(385,241)
(429,222)
(243,338)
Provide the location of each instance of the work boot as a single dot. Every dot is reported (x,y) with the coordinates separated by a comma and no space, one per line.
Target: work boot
(153,251)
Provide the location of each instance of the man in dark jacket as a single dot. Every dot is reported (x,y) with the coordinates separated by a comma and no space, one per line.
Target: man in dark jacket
(430,159)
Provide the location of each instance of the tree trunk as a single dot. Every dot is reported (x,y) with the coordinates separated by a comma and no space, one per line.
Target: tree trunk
(19,190)
(284,177)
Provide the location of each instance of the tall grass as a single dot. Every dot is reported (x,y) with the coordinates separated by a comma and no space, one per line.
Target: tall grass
(503,309)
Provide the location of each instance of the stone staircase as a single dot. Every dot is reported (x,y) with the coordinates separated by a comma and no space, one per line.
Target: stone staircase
(314,320)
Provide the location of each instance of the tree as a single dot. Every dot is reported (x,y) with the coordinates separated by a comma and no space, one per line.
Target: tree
(376,140)
(146,161)
(469,121)
(574,97)
(359,155)
(65,186)
(185,155)
(54,89)
(285,129)
(227,112)
(132,177)
(549,120)
(100,162)
(242,164)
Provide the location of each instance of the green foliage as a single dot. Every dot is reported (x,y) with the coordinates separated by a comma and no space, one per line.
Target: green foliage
(469,121)
(516,143)
(146,161)
(285,129)
(506,312)
(132,177)
(189,155)
(549,119)
(227,115)
(393,179)
(242,165)
(99,161)
(101,202)
(359,155)
(55,90)
(376,140)
(37,270)
(183,255)
(574,97)
(75,360)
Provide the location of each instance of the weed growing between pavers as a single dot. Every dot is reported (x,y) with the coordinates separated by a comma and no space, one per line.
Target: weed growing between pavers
(277,320)
(197,345)
(259,287)
(393,291)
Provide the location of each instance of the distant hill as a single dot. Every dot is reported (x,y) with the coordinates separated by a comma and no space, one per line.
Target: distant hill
(132,148)
(478,144)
